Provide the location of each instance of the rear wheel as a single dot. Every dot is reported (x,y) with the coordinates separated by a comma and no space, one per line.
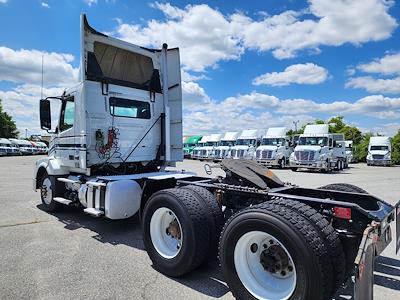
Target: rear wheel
(214,213)
(175,231)
(269,251)
(293,169)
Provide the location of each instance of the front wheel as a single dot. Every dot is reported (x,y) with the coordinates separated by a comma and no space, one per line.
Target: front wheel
(293,169)
(282,163)
(271,252)
(48,191)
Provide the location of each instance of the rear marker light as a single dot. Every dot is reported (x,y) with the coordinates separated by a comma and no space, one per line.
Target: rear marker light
(342,213)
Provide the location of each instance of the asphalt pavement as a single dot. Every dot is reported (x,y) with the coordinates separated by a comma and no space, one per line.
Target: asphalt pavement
(70,255)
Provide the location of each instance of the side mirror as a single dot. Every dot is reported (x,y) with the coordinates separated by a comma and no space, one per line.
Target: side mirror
(45,114)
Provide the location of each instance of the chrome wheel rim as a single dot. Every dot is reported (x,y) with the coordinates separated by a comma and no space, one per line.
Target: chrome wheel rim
(45,191)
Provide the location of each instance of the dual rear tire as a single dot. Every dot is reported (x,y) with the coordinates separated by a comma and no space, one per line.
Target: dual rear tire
(181,227)
(280,249)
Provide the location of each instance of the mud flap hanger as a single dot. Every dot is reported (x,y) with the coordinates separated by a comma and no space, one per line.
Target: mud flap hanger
(365,259)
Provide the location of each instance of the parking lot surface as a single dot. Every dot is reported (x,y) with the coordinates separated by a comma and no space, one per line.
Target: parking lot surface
(69,255)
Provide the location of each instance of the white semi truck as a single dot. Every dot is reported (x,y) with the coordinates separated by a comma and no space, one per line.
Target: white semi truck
(275,148)
(246,144)
(379,151)
(319,150)
(222,151)
(206,152)
(201,144)
(349,152)
(122,126)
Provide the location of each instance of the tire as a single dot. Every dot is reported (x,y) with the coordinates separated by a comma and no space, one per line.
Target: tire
(48,190)
(293,169)
(343,187)
(282,163)
(300,240)
(328,167)
(214,212)
(327,233)
(192,225)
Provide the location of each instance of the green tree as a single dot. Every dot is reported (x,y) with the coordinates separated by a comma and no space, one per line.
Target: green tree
(352,133)
(8,129)
(361,149)
(336,124)
(396,148)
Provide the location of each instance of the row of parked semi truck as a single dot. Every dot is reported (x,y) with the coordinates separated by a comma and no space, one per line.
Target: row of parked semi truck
(316,148)
(21,147)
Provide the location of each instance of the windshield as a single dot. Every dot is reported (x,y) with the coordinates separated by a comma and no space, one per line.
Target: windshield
(273,142)
(246,142)
(379,148)
(187,145)
(314,141)
(226,143)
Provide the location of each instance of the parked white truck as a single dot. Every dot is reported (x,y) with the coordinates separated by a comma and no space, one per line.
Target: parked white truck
(246,144)
(349,152)
(275,148)
(200,145)
(319,150)
(206,152)
(222,151)
(379,151)
(122,126)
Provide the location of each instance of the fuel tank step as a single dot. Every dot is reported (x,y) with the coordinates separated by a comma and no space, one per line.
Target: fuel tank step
(62,200)
(93,211)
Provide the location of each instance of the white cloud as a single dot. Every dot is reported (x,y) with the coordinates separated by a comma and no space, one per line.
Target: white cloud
(90,2)
(389,64)
(25,66)
(333,23)
(308,73)
(3,1)
(257,110)
(186,76)
(44,4)
(373,85)
(206,36)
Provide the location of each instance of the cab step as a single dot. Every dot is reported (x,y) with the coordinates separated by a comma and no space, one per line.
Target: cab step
(62,200)
(94,211)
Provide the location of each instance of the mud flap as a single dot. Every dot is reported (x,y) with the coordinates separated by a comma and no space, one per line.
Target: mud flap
(364,270)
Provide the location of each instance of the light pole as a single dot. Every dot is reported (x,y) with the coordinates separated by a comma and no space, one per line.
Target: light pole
(295,125)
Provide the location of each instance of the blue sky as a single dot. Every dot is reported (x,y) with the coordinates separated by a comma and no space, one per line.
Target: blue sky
(246,64)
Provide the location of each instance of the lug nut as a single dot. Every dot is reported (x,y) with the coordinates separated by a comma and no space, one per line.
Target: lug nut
(283,273)
(265,246)
(271,242)
(290,268)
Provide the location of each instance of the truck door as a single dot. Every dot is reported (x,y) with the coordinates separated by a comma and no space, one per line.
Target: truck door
(65,147)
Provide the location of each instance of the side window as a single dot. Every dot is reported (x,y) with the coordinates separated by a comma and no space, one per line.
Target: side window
(129,108)
(67,114)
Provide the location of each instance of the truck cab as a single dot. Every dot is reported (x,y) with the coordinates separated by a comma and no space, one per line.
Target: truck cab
(319,150)
(208,149)
(222,151)
(200,145)
(189,144)
(5,147)
(349,152)
(275,148)
(379,151)
(246,144)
